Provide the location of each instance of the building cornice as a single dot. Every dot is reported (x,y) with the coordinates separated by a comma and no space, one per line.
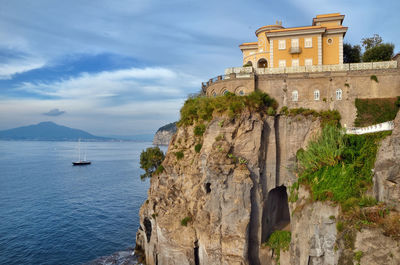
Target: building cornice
(342,30)
(306,31)
(327,19)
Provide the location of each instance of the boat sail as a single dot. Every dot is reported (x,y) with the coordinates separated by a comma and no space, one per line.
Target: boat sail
(80,162)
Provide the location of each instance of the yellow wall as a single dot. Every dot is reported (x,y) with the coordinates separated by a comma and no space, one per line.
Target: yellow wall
(306,53)
(330,52)
(330,23)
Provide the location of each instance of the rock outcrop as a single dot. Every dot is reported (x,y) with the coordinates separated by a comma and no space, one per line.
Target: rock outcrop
(220,204)
(224,192)
(387,168)
(164,134)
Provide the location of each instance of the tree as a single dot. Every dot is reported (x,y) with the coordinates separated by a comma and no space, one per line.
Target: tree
(150,161)
(351,54)
(381,52)
(371,42)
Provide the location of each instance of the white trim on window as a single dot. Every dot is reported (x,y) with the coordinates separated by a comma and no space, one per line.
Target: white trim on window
(308,62)
(339,93)
(316,94)
(295,95)
(295,43)
(307,42)
(282,44)
(295,63)
(282,63)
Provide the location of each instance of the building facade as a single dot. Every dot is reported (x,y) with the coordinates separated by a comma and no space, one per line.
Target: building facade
(279,47)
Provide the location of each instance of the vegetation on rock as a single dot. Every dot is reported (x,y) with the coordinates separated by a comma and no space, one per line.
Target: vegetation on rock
(338,167)
(374,111)
(197,148)
(279,240)
(185,220)
(328,117)
(202,108)
(150,161)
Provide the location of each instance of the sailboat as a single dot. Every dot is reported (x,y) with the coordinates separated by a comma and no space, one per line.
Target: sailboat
(80,162)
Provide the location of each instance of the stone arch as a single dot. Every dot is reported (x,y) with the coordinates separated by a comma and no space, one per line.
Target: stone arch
(241,91)
(276,214)
(262,63)
(249,63)
(317,94)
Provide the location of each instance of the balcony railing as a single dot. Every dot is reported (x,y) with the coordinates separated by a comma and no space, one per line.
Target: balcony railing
(294,50)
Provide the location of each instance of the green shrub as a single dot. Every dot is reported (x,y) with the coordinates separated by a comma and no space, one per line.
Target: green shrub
(374,78)
(381,52)
(328,117)
(271,111)
(185,220)
(373,111)
(202,108)
(197,148)
(367,201)
(293,192)
(358,255)
(199,129)
(339,226)
(279,240)
(219,137)
(284,110)
(150,161)
(159,170)
(338,167)
(179,155)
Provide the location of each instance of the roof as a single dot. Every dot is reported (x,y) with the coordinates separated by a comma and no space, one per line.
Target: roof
(296,28)
(328,15)
(249,43)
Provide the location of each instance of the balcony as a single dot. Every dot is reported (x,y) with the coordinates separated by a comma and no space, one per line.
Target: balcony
(295,50)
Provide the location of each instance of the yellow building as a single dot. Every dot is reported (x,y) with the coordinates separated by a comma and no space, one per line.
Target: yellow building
(319,44)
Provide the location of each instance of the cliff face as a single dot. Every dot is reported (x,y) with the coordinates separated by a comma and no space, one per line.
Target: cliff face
(233,192)
(387,168)
(219,205)
(164,134)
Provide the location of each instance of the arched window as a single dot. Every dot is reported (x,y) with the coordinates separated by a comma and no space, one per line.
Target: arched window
(225,92)
(316,94)
(295,95)
(262,63)
(241,93)
(339,94)
(249,63)
(214,94)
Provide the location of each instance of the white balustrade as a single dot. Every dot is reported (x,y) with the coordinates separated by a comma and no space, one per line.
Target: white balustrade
(385,126)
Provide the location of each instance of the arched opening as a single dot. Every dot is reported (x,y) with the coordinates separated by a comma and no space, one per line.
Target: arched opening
(339,94)
(316,94)
(196,253)
(276,214)
(208,187)
(249,63)
(147,228)
(262,63)
(295,95)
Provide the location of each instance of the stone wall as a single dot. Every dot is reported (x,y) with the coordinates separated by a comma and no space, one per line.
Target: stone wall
(353,84)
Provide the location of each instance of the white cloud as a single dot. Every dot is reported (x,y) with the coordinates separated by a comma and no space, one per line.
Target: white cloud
(147,81)
(17,66)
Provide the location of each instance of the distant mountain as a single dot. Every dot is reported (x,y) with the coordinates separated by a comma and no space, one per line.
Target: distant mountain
(164,134)
(48,131)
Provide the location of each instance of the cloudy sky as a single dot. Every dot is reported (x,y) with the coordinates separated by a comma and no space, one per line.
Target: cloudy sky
(125,67)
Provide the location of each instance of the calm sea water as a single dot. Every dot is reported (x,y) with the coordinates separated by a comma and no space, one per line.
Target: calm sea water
(54,213)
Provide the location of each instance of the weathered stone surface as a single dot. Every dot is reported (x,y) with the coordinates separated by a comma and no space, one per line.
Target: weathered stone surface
(377,249)
(164,134)
(387,168)
(223,190)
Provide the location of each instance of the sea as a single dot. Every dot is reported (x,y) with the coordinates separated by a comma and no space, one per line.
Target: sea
(54,213)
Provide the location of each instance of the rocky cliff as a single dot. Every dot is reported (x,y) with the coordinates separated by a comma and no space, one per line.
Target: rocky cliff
(217,204)
(164,134)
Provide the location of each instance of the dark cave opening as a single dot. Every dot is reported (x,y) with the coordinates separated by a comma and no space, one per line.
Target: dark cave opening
(147,228)
(208,187)
(276,212)
(196,253)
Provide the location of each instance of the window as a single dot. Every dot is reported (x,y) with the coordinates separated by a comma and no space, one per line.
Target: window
(308,62)
(214,94)
(330,41)
(316,94)
(282,44)
(295,62)
(307,42)
(339,94)
(295,95)
(295,43)
(282,63)
(225,92)
(241,93)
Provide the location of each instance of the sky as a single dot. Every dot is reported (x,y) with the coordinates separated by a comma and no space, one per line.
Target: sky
(125,67)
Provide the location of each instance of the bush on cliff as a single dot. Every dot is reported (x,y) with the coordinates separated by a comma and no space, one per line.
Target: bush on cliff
(150,161)
(202,108)
(337,166)
(328,117)
(374,111)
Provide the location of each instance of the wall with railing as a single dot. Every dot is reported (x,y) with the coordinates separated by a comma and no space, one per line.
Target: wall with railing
(385,126)
(247,72)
